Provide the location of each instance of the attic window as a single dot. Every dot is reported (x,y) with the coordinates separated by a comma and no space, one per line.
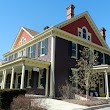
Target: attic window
(84,33)
(22,41)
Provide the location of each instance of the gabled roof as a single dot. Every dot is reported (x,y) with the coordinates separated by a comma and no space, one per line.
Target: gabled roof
(90,21)
(30,32)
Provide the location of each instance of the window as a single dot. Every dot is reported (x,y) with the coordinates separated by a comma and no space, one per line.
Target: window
(102,58)
(9,58)
(74,50)
(43,47)
(31,51)
(15,56)
(22,41)
(22,53)
(84,33)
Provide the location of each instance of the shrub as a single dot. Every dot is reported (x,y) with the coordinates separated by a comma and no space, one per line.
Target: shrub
(67,91)
(7,95)
(24,103)
(102,95)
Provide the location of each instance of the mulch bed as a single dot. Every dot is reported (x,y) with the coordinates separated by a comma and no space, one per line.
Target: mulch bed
(88,102)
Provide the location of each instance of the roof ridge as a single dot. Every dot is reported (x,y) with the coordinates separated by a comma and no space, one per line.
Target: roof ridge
(31,31)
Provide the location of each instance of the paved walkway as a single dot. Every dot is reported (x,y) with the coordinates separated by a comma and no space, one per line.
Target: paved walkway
(53,104)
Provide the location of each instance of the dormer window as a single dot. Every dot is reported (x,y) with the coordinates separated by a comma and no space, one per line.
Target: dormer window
(84,33)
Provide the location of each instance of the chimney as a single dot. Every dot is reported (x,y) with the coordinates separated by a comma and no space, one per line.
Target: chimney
(102,32)
(70,11)
(46,27)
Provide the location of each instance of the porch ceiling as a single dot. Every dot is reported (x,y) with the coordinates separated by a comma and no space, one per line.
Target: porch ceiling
(27,61)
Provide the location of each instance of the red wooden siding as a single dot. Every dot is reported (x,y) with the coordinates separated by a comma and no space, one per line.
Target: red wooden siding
(72,28)
(25,35)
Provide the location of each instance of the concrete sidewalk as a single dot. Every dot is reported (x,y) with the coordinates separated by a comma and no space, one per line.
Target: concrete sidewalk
(53,104)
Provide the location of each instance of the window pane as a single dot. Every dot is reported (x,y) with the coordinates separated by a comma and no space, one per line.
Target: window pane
(79,34)
(74,53)
(73,46)
(43,43)
(43,50)
(74,49)
(84,33)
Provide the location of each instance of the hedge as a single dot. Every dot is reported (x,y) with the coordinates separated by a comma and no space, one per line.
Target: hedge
(7,95)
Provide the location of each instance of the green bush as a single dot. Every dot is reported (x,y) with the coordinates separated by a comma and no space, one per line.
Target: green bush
(7,95)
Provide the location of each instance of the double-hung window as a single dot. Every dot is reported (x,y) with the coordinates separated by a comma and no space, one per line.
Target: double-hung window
(43,47)
(74,50)
(22,53)
(31,51)
(15,56)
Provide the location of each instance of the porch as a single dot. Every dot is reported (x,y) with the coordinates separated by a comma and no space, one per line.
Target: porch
(26,73)
(104,80)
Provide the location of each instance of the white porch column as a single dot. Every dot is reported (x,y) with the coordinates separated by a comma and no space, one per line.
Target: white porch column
(12,78)
(52,69)
(22,76)
(4,79)
(106,84)
(46,86)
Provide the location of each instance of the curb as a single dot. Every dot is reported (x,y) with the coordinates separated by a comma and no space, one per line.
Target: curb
(97,107)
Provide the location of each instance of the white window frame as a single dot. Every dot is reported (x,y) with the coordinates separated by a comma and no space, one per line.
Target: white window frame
(87,33)
(42,47)
(31,51)
(22,41)
(76,50)
(20,53)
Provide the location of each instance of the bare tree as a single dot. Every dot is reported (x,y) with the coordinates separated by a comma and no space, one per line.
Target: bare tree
(85,75)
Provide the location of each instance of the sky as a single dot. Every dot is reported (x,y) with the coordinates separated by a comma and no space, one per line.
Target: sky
(36,14)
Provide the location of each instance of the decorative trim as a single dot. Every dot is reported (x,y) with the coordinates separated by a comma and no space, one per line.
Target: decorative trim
(17,37)
(79,40)
(81,33)
(37,38)
(90,21)
(27,61)
(62,34)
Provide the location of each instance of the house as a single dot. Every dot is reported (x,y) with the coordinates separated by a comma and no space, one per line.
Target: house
(45,60)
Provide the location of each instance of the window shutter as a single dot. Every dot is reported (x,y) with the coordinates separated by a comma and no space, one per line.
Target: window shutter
(34,50)
(46,46)
(70,48)
(39,46)
(28,51)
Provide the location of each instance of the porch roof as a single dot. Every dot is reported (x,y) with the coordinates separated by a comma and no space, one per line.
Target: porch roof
(27,61)
(102,68)
(98,68)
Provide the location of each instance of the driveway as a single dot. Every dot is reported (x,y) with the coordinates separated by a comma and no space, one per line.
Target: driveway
(53,104)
